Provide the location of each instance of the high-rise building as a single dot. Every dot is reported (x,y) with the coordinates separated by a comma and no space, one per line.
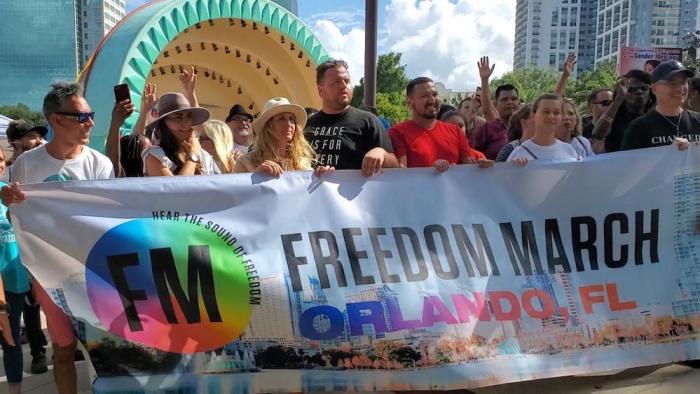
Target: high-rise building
(546,32)
(98,18)
(50,41)
(42,48)
(645,24)
(272,319)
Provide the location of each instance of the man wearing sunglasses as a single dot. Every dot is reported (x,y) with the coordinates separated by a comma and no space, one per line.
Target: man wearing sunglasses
(633,99)
(669,120)
(65,157)
(598,102)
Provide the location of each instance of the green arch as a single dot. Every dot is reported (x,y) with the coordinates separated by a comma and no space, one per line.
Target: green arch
(128,53)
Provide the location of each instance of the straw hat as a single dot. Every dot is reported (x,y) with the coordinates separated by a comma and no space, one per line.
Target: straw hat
(172,103)
(277,106)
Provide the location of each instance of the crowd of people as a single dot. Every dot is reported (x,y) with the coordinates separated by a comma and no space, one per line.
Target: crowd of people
(174,136)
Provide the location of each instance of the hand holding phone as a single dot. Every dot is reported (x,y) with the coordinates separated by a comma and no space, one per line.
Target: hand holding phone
(121,93)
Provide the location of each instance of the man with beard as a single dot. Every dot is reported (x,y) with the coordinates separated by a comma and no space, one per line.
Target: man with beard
(342,136)
(424,141)
(493,135)
(668,120)
(632,99)
(239,121)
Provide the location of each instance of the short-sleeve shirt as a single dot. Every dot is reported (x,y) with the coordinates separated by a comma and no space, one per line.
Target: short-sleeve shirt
(490,138)
(507,150)
(209,167)
(555,153)
(654,129)
(15,277)
(423,147)
(582,146)
(342,140)
(38,166)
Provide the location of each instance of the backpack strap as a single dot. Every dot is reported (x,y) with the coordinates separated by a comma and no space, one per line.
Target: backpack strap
(529,151)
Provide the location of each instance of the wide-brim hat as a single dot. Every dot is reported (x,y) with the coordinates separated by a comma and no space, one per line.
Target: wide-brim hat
(172,103)
(238,110)
(668,70)
(276,106)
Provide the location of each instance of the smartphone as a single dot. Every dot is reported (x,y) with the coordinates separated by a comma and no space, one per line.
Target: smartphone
(121,93)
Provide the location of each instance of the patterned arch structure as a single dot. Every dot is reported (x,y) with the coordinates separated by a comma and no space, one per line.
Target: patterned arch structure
(244,51)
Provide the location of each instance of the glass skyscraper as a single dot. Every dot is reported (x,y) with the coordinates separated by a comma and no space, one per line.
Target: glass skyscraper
(38,47)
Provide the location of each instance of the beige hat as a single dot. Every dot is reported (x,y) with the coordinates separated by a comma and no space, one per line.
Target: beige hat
(277,106)
(172,103)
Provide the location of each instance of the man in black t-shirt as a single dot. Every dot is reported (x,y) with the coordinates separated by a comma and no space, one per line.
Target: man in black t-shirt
(345,137)
(668,120)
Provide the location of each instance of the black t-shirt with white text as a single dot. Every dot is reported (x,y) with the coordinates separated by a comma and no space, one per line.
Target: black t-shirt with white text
(342,140)
(654,129)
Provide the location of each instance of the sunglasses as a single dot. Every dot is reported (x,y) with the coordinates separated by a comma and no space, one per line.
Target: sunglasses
(604,103)
(638,88)
(81,117)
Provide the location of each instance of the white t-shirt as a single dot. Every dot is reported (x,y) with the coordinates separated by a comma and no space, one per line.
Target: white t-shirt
(556,153)
(582,146)
(240,148)
(209,167)
(37,165)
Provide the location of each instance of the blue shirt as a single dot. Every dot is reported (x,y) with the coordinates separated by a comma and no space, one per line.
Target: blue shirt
(15,277)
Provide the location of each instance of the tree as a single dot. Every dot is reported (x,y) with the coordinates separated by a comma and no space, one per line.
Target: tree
(604,76)
(392,106)
(531,82)
(22,111)
(391,84)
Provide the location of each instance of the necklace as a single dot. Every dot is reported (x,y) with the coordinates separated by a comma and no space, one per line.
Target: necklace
(677,125)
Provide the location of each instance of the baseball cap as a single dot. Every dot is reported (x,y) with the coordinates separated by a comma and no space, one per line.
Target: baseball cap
(20,128)
(667,70)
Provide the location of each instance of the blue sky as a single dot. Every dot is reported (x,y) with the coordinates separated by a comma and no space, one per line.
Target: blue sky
(442,39)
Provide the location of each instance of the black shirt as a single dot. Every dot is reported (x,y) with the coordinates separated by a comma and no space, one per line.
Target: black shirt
(654,129)
(623,119)
(342,140)
(587,126)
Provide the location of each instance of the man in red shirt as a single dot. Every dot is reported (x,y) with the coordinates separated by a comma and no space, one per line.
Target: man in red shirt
(425,141)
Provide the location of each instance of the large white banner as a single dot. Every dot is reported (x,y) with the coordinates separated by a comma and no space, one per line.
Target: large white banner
(411,279)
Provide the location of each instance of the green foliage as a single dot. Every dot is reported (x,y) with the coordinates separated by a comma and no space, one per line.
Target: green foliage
(22,111)
(391,84)
(392,106)
(531,82)
(604,76)
(391,75)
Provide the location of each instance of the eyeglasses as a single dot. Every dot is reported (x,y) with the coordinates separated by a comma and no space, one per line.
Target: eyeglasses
(638,88)
(241,119)
(81,117)
(604,103)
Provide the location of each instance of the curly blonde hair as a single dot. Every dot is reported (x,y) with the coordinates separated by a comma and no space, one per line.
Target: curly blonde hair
(300,155)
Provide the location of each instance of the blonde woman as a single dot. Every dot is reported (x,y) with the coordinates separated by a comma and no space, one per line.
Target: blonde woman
(570,132)
(279,143)
(217,140)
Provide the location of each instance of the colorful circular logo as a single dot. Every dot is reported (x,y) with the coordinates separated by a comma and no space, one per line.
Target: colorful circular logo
(173,285)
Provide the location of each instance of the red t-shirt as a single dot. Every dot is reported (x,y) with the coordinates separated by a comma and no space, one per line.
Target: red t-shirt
(423,148)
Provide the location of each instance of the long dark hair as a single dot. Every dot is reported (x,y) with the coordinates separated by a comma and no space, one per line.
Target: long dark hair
(171,147)
(130,159)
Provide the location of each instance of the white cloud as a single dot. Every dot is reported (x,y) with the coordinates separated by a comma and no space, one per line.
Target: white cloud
(348,46)
(442,39)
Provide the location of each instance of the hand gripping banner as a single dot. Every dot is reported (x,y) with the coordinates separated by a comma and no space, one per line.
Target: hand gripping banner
(409,280)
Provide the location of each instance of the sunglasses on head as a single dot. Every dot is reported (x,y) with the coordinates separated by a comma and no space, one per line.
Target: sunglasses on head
(81,117)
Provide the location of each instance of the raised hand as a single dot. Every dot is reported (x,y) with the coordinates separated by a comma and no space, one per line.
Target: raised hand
(188,80)
(148,98)
(485,68)
(569,64)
